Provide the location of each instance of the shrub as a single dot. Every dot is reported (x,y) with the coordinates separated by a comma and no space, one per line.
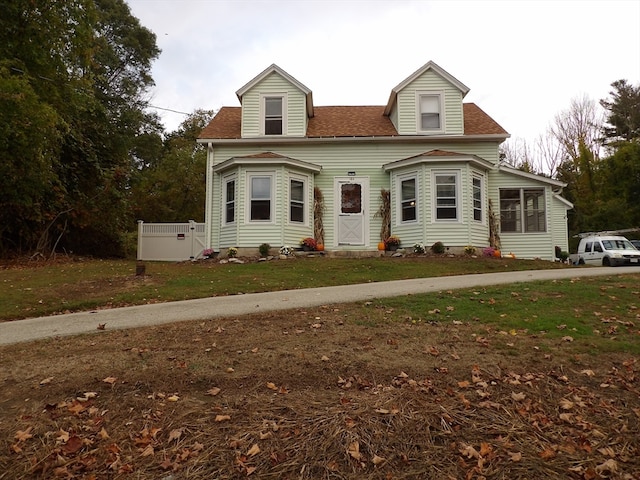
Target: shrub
(232,252)
(437,247)
(264,249)
(470,250)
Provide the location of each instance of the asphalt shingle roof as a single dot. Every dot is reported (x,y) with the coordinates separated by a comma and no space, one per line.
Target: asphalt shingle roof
(348,121)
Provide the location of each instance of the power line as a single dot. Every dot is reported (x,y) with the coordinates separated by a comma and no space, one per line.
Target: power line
(168,110)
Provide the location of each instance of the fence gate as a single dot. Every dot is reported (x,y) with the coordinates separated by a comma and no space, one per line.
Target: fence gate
(170,241)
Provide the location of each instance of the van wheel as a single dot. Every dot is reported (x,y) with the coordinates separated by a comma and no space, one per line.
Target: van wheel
(606,262)
(581,261)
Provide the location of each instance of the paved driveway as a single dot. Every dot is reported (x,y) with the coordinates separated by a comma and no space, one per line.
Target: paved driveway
(206,308)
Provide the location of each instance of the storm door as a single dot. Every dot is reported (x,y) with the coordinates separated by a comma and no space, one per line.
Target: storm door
(351,210)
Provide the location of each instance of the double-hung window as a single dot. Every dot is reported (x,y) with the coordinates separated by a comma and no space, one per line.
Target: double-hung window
(273,115)
(408,199)
(522,210)
(430,115)
(477,198)
(446,196)
(230,200)
(297,192)
(260,197)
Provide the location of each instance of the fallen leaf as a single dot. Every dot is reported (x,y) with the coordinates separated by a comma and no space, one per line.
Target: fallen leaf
(148,451)
(102,326)
(213,391)
(46,381)
(110,380)
(607,468)
(515,457)
(175,434)
(173,398)
(222,418)
(378,460)
(354,450)
(22,436)
(518,397)
(588,373)
(566,404)
(254,450)
(272,386)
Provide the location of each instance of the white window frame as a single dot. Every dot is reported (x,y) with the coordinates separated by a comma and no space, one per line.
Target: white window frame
(225,182)
(524,213)
(249,199)
(475,208)
(434,175)
(439,95)
(399,180)
(305,192)
(263,113)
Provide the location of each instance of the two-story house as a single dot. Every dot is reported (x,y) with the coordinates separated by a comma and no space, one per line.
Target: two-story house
(280,168)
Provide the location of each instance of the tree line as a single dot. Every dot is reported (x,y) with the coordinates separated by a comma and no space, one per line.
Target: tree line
(82,158)
(595,149)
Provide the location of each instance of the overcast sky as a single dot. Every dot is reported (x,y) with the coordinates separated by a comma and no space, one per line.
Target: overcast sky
(524,61)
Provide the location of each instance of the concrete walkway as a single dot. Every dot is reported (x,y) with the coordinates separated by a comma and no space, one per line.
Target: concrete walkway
(212,307)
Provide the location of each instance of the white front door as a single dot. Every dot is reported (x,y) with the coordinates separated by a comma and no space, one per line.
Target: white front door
(352,195)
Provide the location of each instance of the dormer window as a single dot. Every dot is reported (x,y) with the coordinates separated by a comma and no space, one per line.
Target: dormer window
(274,114)
(430,112)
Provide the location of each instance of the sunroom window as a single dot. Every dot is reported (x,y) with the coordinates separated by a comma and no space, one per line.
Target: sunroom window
(522,210)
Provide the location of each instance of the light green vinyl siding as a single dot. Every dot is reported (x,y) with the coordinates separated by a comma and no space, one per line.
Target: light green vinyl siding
(295,116)
(406,118)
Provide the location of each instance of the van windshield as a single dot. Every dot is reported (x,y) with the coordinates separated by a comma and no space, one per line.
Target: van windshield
(617,245)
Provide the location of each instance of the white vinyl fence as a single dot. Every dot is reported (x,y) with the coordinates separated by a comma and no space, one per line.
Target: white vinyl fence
(170,241)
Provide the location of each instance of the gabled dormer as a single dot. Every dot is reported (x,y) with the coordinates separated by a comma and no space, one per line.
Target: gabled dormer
(274,104)
(428,102)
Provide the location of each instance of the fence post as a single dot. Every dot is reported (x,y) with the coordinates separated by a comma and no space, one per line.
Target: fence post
(139,256)
(192,233)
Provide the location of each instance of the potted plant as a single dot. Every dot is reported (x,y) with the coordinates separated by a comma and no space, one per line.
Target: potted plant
(308,244)
(392,243)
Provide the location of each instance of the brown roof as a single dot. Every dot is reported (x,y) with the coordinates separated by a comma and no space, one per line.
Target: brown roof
(349,121)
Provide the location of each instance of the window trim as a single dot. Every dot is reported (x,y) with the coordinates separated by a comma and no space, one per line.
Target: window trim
(457,175)
(226,181)
(305,189)
(249,198)
(399,204)
(263,113)
(439,94)
(523,211)
(474,209)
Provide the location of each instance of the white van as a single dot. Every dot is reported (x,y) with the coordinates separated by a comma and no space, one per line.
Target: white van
(607,250)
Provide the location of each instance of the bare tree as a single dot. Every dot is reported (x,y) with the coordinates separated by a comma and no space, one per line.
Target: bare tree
(550,152)
(580,124)
(519,154)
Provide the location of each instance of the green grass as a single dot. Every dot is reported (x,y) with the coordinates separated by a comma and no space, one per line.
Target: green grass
(45,289)
(602,312)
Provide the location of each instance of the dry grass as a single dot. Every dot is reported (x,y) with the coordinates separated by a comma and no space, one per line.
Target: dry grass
(336,392)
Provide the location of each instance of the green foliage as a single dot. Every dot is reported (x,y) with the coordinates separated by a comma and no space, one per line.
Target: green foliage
(623,113)
(264,250)
(70,114)
(437,247)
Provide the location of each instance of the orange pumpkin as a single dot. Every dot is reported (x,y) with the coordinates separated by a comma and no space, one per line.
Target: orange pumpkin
(382,246)
(497,253)
(320,247)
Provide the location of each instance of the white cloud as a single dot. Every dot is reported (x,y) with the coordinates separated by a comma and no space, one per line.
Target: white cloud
(523,60)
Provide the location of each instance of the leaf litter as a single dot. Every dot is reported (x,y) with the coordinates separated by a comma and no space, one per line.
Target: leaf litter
(337,400)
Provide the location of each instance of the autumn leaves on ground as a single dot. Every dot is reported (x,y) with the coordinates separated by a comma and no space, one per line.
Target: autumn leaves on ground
(455,385)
